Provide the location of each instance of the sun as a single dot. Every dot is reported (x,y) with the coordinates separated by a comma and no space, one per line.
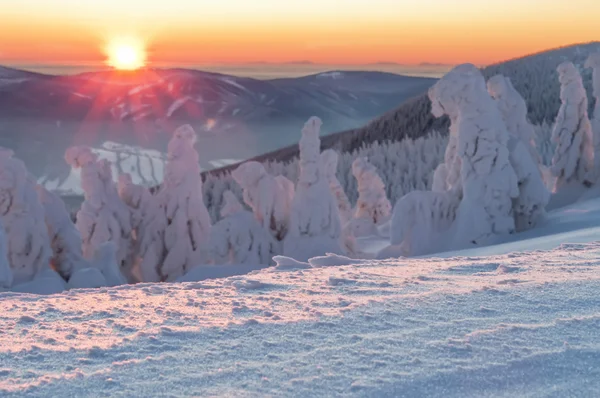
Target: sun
(126,54)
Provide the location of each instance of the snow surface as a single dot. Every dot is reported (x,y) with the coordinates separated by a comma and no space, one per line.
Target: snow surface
(517,324)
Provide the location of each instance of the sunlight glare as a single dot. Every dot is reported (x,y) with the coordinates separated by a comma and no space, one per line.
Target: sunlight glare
(126,54)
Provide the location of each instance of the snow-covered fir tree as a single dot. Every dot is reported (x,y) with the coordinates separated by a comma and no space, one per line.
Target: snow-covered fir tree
(372,207)
(239,238)
(489,181)
(103,217)
(176,236)
(138,199)
(529,206)
(6,276)
(65,239)
(269,197)
(573,160)
(22,216)
(315,226)
(421,222)
(446,176)
(593,62)
(329,161)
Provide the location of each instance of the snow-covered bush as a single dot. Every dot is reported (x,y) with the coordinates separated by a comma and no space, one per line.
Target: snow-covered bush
(315,226)
(329,161)
(372,204)
(593,62)
(489,181)
(533,197)
(176,230)
(574,156)
(103,217)
(269,197)
(65,239)
(22,217)
(239,238)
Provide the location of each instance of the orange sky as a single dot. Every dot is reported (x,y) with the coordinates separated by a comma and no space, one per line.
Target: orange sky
(323,31)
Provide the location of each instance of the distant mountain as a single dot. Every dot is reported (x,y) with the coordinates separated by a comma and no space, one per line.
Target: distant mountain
(534,76)
(236,118)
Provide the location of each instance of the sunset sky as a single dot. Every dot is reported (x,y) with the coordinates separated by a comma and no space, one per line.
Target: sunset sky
(181,32)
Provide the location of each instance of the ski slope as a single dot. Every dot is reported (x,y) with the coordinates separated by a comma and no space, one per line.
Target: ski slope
(506,320)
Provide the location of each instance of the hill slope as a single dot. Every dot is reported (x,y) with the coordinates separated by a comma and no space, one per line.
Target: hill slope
(533,76)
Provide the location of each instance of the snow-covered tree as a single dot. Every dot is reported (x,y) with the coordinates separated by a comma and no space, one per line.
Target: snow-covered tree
(65,239)
(593,62)
(22,217)
(139,201)
(533,197)
(373,204)
(103,217)
(176,236)
(514,112)
(315,226)
(421,221)
(446,176)
(239,238)
(489,181)
(269,197)
(6,276)
(329,160)
(574,155)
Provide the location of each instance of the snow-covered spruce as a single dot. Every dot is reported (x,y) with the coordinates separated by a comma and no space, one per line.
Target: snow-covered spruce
(176,230)
(65,239)
(239,238)
(373,207)
(270,198)
(489,181)
(22,217)
(315,226)
(514,112)
(6,275)
(593,62)
(329,162)
(421,224)
(446,176)
(138,199)
(533,197)
(103,217)
(573,159)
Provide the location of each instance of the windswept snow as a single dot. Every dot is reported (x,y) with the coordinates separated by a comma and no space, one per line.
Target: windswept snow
(517,324)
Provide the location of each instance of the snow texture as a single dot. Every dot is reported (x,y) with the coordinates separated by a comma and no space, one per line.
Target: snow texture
(239,238)
(270,198)
(177,236)
(573,159)
(489,181)
(103,217)
(315,225)
(22,217)
(65,239)
(521,324)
